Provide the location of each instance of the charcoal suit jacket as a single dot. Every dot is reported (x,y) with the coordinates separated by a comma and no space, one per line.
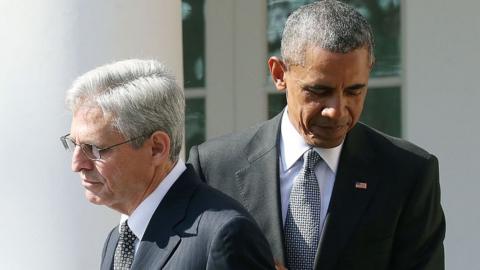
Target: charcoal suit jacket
(384,211)
(196,227)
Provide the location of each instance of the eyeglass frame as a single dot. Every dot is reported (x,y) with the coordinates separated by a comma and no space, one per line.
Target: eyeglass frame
(66,137)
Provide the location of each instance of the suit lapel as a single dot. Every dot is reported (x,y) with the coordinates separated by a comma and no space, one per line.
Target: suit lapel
(259,185)
(107,260)
(161,237)
(354,186)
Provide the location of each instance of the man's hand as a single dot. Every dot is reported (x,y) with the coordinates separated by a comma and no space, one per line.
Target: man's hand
(279,266)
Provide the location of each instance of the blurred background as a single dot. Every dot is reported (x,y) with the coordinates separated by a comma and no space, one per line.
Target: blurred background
(423,88)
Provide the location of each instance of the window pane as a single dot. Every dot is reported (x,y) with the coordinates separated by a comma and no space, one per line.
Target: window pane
(276,103)
(382,110)
(278,11)
(193,24)
(194,122)
(383,15)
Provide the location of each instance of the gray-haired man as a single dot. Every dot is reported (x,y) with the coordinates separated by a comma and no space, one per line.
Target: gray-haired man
(126,135)
(330,192)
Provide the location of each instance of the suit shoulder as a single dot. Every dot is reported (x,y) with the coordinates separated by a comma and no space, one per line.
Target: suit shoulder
(218,203)
(218,159)
(234,237)
(392,146)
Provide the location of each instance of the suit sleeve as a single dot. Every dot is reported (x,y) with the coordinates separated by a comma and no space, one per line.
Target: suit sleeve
(239,244)
(421,228)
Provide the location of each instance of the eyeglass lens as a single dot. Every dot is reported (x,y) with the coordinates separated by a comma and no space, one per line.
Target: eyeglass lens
(91,151)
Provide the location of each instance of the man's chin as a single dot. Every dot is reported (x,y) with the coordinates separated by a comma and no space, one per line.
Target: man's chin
(323,142)
(93,198)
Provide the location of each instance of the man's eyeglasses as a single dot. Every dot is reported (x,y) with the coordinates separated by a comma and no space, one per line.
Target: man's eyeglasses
(91,151)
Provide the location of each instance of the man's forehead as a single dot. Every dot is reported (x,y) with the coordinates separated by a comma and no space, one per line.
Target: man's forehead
(320,58)
(90,112)
(90,120)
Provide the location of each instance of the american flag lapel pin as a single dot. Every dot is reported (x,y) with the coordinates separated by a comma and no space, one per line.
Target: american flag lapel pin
(361,185)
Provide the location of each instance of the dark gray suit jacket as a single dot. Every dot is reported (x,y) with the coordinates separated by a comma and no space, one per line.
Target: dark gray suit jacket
(197,227)
(395,223)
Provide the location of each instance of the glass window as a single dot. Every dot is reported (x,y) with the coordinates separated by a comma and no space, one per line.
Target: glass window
(382,110)
(193,24)
(278,11)
(276,103)
(194,122)
(384,16)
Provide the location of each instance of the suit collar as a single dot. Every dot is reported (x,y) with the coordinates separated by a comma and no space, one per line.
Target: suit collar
(164,234)
(262,143)
(140,217)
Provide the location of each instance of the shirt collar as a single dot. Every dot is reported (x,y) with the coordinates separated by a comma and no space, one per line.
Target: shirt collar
(139,219)
(292,146)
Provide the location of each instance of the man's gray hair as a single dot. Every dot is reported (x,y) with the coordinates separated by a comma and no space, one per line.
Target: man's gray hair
(141,96)
(328,24)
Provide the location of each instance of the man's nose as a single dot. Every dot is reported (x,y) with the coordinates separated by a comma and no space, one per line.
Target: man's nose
(80,161)
(334,107)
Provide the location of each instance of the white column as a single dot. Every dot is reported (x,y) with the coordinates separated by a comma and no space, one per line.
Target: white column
(251,69)
(236,63)
(441,110)
(46,222)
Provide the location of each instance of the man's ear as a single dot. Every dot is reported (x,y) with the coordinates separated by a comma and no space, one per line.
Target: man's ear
(160,147)
(277,71)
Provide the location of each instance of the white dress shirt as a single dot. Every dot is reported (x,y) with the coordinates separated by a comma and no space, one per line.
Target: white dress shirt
(292,148)
(141,216)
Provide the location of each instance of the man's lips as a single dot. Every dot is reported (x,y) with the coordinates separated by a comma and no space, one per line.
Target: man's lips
(87,182)
(328,130)
(331,127)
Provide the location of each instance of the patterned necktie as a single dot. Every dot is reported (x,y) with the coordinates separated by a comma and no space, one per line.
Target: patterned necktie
(302,225)
(125,250)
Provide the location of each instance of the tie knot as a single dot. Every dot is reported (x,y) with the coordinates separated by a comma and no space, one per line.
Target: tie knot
(310,159)
(126,233)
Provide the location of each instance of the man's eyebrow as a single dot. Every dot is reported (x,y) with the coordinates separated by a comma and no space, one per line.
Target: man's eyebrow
(314,86)
(319,86)
(87,142)
(356,86)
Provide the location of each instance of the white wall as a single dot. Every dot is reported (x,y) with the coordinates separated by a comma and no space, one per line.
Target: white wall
(441,110)
(46,223)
